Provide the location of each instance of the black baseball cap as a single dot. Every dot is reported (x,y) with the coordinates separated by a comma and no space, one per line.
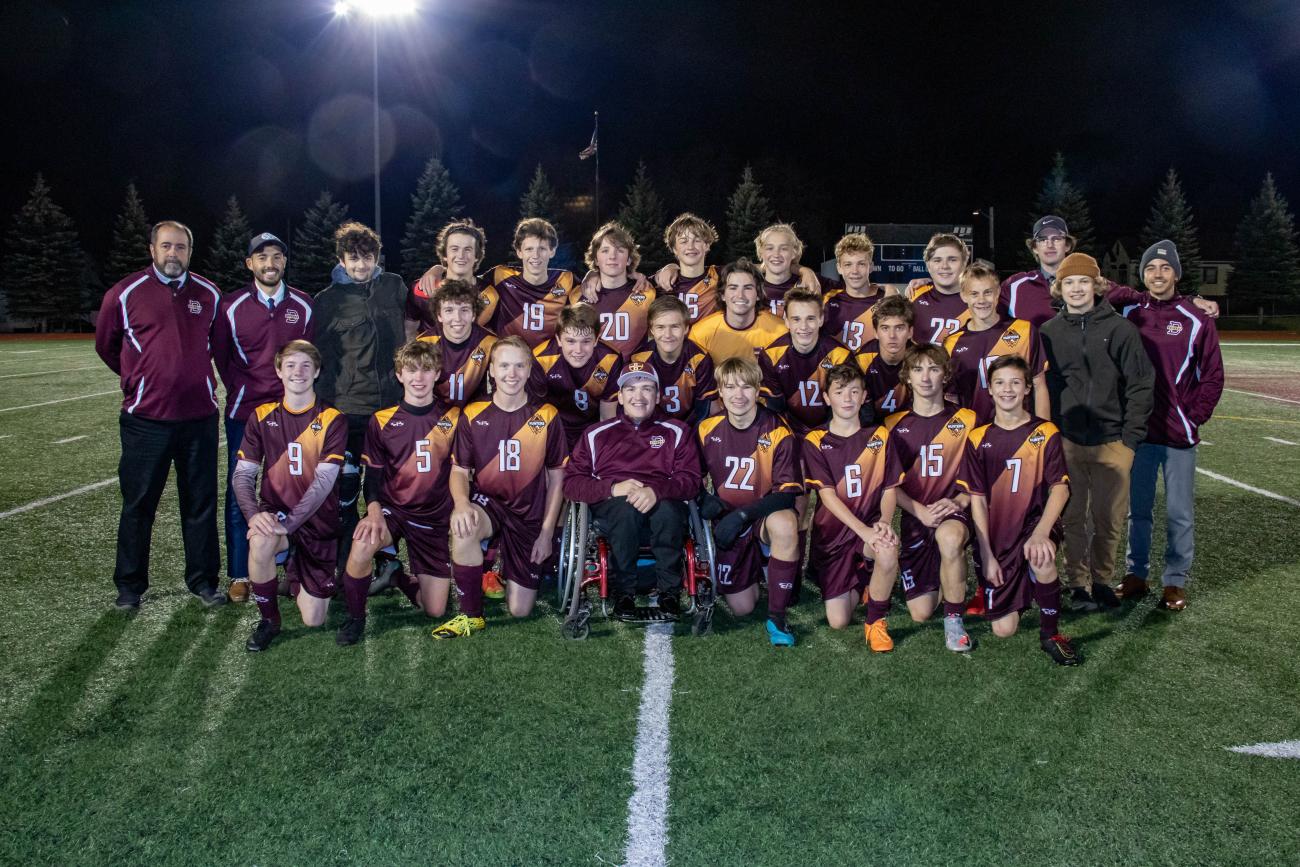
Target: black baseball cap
(1050,222)
(265,239)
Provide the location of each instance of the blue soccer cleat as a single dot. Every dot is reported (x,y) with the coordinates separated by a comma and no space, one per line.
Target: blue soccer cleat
(779,634)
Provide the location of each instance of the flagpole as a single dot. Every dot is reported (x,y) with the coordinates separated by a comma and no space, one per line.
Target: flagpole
(596,138)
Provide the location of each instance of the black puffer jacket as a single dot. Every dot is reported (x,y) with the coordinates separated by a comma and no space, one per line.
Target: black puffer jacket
(358,328)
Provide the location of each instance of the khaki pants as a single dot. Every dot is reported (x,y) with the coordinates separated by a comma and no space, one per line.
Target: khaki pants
(1096,512)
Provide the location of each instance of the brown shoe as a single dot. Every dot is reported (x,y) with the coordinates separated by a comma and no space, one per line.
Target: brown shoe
(238,590)
(1175,599)
(1132,587)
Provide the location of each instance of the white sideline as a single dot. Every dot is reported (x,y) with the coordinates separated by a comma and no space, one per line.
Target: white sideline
(1265,396)
(1278,750)
(69,440)
(1281,442)
(647,809)
(48,372)
(1246,487)
(61,400)
(36,504)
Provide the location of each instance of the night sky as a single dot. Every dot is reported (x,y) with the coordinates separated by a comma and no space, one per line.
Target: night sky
(899,112)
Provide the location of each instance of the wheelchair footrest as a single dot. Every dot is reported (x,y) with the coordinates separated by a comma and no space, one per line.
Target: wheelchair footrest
(648,614)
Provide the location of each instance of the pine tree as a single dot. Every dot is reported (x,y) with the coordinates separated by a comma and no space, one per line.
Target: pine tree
(1062,198)
(44,268)
(642,213)
(130,250)
(313,256)
(1268,258)
(435,202)
(223,262)
(540,200)
(1171,219)
(748,211)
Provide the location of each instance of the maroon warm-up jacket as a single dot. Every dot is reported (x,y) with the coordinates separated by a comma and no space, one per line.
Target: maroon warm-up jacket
(661,453)
(245,339)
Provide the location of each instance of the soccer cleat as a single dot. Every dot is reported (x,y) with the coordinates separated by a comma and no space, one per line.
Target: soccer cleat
(976,608)
(238,590)
(878,636)
(1104,596)
(1174,599)
(955,635)
(1059,648)
(460,626)
(1081,601)
(211,597)
(350,632)
(263,634)
(1132,587)
(127,600)
(780,634)
(492,586)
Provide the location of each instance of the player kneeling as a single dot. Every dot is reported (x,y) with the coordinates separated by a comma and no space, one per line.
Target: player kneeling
(753,459)
(506,477)
(852,543)
(408,458)
(1014,470)
(298,444)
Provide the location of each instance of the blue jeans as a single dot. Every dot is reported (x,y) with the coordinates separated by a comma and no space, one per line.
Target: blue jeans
(236,526)
(1179,467)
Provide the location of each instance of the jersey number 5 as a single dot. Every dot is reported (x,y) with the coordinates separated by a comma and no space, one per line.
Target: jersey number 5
(423,457)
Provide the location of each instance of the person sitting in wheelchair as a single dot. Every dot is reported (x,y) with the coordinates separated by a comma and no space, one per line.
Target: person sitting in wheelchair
(636,471)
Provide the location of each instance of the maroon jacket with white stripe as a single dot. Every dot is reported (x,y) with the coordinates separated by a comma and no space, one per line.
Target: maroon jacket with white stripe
(158,342)
(1183,345)
(245,339)
(661,453)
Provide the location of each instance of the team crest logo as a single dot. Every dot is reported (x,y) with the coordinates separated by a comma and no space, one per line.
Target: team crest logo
(317,426)
(1011,338)
(826,364)
(1037,439)
(764,443)
(196,306)
(657,442)
(1174,328)
(601,376)
(689,370)
(558,291)
(536,424)
(956,426)
(291,316)
(477,355)
(637,297)
(444,424)
(876,444)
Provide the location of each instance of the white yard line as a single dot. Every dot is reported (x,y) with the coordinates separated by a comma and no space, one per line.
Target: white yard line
(69,440)
(48,372)
(1237,343)
(23,351)
(36,504)
(647,809)
(1265,396)
(1281,442)
(1277,750)
(61,400)
(1234,483)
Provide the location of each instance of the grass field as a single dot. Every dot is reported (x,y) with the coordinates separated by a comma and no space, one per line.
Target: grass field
(155,738)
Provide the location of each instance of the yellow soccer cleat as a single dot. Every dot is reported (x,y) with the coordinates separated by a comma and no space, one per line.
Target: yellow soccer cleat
(460,626)
(492,586)
(878,636)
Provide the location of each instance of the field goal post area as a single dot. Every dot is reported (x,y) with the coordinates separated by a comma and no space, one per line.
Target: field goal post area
(900,249)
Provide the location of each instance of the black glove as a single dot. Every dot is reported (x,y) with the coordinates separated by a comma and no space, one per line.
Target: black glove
(726,531)
(711,505)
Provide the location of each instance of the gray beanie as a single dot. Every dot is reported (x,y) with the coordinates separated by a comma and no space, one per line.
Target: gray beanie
(1163,250)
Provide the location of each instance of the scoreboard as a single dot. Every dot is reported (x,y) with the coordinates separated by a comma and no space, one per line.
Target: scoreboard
(900,247)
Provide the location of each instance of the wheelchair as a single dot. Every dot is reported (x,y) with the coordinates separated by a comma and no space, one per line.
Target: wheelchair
(584,572)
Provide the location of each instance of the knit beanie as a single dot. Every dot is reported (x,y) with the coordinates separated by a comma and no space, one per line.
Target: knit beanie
(1079,265)
(1163,250)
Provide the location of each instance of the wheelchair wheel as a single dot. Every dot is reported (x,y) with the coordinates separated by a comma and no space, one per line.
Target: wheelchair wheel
(581,527)
(577,628)
(564,569)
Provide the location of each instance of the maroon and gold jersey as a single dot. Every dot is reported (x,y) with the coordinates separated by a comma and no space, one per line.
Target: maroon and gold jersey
(509,454)
(464,367)
(937,315)
(854,466)
(699,294)
(576,393)
(884,391)
(290,446)
(411,448)
(747,465)
(1015,471)
(799,379)
(973,351)
(623,317)
(925,452)
(716,337)
(515,306)
(419,303)
(848,318)
(684,383)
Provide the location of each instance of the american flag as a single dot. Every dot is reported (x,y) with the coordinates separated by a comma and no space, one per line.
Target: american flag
(589,150)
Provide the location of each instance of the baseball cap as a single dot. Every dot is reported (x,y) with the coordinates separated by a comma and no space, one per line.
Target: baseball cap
(265,239)
(638,371)
(1050,222)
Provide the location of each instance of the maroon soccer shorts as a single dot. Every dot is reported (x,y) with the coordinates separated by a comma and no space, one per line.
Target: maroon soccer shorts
(1017,590)
(840,570)
(918,554)
(741,565)
(428,551)
(514,538)
(311,563)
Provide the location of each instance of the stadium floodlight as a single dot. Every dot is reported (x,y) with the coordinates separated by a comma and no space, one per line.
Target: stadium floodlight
(376,8)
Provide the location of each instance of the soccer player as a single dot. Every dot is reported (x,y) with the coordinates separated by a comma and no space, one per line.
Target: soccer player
(460,246)
(297,444)
(882,359)
(251,327)
(685,370)
(795,365)
(574,371)
(926,446)
(779,250)
(848,309)
(695,284)
(408,460)
(753,458)
(636,471)
(466,345)
(1100,383)
(1183,345)
(153,331)
(623,303)
(1014,471)
(740,328)
(527,301)
(852,542)
(985,337)
(506,483)
(939,307)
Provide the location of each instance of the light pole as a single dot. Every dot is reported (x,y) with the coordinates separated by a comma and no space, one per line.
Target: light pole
(375,10)
(993,244)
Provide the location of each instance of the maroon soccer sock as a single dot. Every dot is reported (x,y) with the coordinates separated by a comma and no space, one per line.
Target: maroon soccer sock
(876,610)
(951,608)
(1048,597)
(469,587)
(355,591)
(407,585)
(264,594)
(780,586)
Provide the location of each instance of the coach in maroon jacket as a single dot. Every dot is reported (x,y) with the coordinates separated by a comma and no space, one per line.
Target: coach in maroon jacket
(252,325)
(153,330)
(635,471)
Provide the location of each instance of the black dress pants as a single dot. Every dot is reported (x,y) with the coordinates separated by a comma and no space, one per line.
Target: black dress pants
(663,528)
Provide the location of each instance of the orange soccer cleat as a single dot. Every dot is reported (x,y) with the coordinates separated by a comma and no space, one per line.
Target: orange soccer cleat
(492,586)
(878,636)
